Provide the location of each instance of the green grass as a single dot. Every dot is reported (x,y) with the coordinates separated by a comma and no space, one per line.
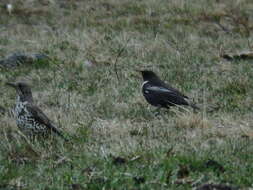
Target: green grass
(108,119)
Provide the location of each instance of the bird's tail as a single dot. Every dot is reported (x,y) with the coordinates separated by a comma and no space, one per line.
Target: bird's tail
(194,106)
(59,133)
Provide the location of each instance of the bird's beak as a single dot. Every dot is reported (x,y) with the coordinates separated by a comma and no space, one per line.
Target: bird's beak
(12,84)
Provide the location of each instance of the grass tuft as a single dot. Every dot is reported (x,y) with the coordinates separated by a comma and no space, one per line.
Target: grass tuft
(190,120)
(117,139)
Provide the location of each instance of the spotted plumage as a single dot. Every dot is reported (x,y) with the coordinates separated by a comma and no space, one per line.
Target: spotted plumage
(29,118)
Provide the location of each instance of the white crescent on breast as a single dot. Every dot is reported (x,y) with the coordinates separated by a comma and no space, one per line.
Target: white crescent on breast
(145,82)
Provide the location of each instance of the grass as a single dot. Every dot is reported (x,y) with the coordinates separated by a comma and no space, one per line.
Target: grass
(117,141)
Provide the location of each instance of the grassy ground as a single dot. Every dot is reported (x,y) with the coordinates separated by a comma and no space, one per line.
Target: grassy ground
(117,141)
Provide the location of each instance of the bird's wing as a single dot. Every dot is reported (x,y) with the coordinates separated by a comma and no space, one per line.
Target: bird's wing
(37,114)
(168,94)
(165,85)
(40,117)
(160,89)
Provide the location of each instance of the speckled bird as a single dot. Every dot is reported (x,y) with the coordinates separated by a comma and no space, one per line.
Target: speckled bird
(29,118)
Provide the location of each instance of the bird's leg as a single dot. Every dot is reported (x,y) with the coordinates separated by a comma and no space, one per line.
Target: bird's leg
(32,138)
(158,111)
(23,136)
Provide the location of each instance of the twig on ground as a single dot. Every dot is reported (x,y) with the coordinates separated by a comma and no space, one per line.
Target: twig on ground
(117,57)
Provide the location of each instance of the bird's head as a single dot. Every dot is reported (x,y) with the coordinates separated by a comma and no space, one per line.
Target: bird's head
(23,90)
(148,75)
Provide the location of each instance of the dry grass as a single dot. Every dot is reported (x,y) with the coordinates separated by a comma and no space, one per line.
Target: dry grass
(179,40)
(192,121)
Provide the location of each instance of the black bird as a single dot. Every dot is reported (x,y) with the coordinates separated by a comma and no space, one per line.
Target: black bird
(160,94)
(29,118)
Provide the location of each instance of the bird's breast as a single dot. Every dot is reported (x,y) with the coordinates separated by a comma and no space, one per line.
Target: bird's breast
(144,84)
(21,110)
